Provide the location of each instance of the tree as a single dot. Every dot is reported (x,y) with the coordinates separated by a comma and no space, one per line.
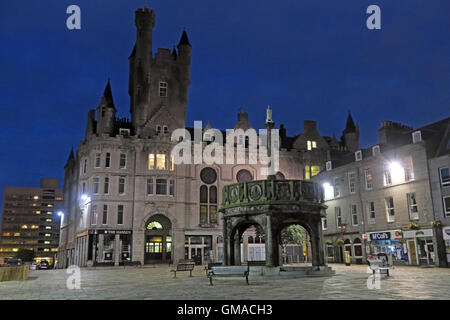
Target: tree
(294,234)
(25,255)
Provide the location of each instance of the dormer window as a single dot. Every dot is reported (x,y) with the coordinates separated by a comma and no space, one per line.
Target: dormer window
(311,145)
(358,155)
(375,150)
(416,136)
(124,132)
(165,130)
(163,89)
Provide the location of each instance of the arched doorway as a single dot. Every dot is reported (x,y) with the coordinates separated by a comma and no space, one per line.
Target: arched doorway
(158,240)
(295,244)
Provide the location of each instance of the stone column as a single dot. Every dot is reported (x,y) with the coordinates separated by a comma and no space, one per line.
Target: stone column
(226,243)
(101,241)
(237,249)
(318,255)
(272,252)
(137,247)
(117,249)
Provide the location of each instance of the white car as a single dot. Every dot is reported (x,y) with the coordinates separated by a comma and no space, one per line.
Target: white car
(33,266)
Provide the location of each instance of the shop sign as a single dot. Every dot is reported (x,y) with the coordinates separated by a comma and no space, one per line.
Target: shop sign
(418,233)
(84,233)
(110,231)
(446,232)
(380,236)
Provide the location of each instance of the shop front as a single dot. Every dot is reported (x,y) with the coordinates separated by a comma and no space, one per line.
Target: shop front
(389,242)
(446,234)
(198,248)
(421,248)
(109,247)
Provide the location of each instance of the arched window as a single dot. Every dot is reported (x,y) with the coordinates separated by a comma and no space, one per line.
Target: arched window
(154,225)
(250,239)
(208,204)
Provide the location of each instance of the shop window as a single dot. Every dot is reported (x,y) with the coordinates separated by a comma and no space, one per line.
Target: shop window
(412,206)
(357,247)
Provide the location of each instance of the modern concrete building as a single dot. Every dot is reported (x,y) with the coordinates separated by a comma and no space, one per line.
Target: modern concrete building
(30,220)
(384,198)
(125,198)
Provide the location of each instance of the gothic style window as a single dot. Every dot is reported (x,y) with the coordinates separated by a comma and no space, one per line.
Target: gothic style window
(161,162)
(244,175)
(151,161)
(163,89)
(208,204)
(208,175)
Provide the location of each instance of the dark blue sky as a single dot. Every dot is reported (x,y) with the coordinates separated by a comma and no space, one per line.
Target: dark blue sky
(307,59)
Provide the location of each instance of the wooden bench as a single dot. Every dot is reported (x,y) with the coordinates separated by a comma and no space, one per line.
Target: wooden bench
(184,266)
(229,271)
(212,264)
(378,267)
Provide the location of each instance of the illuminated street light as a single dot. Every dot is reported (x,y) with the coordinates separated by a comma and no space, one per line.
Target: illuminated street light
(328,190)
(60,213)
(397,172)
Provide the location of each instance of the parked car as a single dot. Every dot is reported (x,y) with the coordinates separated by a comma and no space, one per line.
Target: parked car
(13,262)
(43,265)
(33,266)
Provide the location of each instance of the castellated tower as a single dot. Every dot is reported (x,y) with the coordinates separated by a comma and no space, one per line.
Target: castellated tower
(158,86)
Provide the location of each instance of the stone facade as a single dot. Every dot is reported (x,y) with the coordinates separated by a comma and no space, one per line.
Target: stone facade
(125,199)
(384,198)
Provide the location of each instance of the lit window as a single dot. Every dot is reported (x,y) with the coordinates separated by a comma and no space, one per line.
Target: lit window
(46,242)
(172,163)
(35,197)
(315,170)
(34,227)
(48,220)
(154,225)
(48,234)
(151,160)
(24,226)
(307,173)
(6,234)
(48,227)
(314,144)
(15,249)
(161,162)
(17,234)
(46,249)
(163,89)
(308,145)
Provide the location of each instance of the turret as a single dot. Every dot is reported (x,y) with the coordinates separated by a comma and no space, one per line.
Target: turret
(140,63)
(106,113)
(350,135)
(184,58)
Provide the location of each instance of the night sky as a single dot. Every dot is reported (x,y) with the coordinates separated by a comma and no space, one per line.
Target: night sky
(313,60)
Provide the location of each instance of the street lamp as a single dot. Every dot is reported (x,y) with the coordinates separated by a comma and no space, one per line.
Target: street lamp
(397,171)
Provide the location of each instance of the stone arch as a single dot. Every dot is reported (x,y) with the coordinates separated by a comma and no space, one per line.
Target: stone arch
(158,238)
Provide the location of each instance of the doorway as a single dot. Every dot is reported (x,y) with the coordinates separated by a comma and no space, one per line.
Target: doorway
(158,240)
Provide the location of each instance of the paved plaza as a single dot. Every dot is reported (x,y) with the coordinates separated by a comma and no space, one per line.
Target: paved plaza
(158,283)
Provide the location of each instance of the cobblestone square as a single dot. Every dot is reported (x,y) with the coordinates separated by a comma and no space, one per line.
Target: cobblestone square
(156,283)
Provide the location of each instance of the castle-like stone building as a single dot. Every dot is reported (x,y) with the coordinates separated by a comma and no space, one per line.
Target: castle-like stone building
(125,200)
